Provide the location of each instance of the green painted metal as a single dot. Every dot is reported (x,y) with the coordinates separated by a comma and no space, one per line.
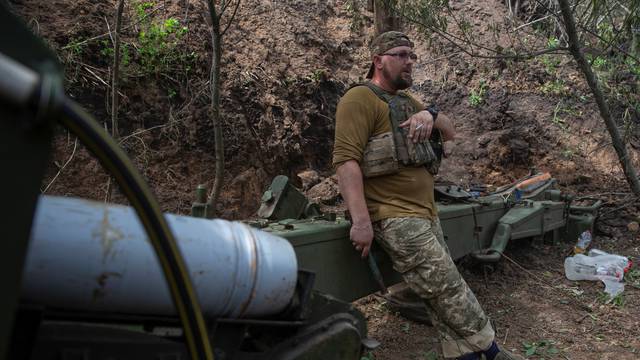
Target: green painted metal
(323,247)
(200,207)
(480,227)
(282,201)
(468,227)
(337,330)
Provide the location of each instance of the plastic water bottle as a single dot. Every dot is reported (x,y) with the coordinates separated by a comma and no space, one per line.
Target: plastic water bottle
(607,268)
(604,258)
(583,242)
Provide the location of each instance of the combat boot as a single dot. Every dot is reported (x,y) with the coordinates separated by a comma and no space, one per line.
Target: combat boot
(506,355)
(495,353)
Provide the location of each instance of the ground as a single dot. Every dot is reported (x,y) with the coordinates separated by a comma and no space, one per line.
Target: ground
(285,65)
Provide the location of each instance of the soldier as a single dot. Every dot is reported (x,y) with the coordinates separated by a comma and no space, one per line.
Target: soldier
(385,165)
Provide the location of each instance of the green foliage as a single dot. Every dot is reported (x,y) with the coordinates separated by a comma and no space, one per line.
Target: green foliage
(550,63)
(616,301)
(406,327)
(158,42)
(633,66)
(599,63)
(357,19)
(540,348)
(74,46)
(156,50)
(606,31)
(633,277)
(555,87)
(553,42)
(556,119)
(477,95)
(108,50)
(142,7)
(431,355)
(368,356)
(568,154)
(70,55)
(317,75)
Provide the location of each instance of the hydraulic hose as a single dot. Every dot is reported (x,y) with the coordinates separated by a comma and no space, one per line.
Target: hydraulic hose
(114,160)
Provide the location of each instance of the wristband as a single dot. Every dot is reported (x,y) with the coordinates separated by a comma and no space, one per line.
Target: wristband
(433,110)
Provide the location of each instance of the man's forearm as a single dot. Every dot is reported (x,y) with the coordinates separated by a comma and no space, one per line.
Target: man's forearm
(352,190)
(445,125)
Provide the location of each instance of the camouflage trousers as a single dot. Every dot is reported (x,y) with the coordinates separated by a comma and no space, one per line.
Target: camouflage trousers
(418,251)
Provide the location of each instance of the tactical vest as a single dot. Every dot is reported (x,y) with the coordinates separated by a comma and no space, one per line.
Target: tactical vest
(386,153)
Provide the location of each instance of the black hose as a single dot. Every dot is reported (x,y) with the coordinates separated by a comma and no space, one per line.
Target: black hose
(80,123)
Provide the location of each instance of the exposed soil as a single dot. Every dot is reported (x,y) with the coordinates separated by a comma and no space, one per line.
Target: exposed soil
(285,65)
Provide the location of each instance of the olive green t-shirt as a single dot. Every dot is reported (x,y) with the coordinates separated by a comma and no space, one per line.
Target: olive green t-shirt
(361,114)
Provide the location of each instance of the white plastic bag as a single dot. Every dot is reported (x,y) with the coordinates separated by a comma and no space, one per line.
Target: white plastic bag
(599,265)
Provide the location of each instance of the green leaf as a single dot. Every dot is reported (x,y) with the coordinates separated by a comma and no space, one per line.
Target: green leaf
(530,351)
(553,350)
(431,355)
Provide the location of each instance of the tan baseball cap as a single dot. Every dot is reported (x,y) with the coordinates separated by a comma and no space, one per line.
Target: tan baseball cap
(385,41)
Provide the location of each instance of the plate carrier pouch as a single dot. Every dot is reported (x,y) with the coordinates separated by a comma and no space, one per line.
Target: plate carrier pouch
(386,153)
(380,156)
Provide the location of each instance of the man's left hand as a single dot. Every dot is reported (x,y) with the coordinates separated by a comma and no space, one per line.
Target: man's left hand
(420,126)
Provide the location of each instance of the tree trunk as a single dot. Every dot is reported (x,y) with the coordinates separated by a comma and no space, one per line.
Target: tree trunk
(214,84)
(114,85)
(618,144)
(385,17)
(116,70)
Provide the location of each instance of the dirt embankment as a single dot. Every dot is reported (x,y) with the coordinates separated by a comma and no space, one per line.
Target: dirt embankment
(285,65)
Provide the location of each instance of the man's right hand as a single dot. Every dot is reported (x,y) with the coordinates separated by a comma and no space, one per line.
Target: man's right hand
(352,190)
(361,237)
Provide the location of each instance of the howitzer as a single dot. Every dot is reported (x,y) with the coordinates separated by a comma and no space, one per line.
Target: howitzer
(480,227)
(87,280)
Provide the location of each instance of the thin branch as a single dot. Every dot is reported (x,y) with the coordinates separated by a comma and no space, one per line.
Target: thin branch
(597,195)
(624,7)
(584,28)
(610,44)
(440,58)
(532,22)
(142,131)
(75,145)
(96,76)
(619,146)
(103,82)
(469,41)
(471,53)
(225,4)
(235,10)
(116,71)
(113,41)
(602,146)
(37,26)
(634,201)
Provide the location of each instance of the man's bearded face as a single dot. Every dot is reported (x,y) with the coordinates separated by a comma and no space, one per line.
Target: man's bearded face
(397,70)
(400,80)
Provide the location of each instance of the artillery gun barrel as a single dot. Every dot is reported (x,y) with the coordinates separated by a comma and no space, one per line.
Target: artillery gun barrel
(95,257)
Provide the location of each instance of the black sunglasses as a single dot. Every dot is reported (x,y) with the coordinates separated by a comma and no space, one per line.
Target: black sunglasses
(403,55)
